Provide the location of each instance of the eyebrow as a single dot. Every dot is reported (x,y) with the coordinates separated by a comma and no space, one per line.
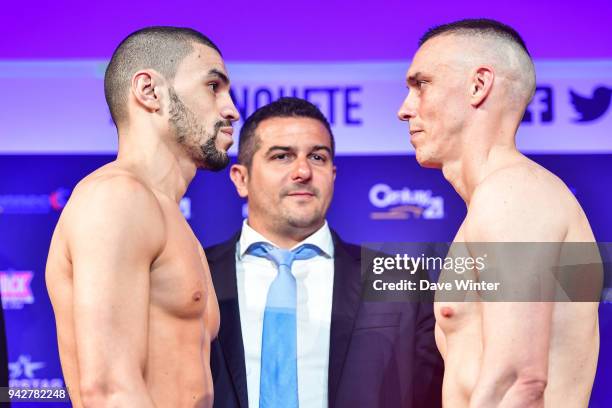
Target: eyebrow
(414,77)
(283,148)
(322,147)
(219,74)
(288,149)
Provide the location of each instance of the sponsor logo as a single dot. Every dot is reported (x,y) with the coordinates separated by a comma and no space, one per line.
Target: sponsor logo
(405,203)
(34,203)
(540,109)
(340,104)
(15,289)
(591,108)
(23,374)
(588,108)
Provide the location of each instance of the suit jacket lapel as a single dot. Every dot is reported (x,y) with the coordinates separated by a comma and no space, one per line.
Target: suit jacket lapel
(345,304)
(230,332)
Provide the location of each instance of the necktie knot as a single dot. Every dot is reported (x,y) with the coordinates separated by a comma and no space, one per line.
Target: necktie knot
(283,257)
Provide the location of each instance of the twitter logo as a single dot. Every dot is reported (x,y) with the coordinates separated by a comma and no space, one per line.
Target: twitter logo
(592,108)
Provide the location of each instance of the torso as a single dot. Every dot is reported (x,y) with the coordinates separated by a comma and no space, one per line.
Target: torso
(183,314)
(574,344)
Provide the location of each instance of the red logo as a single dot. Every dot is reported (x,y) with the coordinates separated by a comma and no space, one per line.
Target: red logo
(15,288)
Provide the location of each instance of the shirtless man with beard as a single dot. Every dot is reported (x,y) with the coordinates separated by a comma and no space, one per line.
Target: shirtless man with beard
(469,84)
(129,282)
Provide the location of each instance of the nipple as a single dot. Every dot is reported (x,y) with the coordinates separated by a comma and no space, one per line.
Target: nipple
(447,311)
(197,296)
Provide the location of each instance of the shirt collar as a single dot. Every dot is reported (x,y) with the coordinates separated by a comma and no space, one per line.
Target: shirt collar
(322,239)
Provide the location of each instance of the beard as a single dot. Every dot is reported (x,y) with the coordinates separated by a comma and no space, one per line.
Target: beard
(190,132)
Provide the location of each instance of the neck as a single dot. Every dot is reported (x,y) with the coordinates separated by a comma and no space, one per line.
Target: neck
(483,151)
(284,238)
(157,159)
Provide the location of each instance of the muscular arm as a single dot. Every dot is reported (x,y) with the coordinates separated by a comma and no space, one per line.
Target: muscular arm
(516,335)
(211,313)
(115,234)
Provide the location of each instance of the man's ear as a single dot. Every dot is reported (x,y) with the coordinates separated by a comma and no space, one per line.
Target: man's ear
(145,88)
(239,174)
(481,85)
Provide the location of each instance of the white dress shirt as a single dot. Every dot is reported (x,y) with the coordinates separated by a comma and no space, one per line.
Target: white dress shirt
(315,281)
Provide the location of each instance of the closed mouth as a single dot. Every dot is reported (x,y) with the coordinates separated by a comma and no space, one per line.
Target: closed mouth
(301,194)
(227,130)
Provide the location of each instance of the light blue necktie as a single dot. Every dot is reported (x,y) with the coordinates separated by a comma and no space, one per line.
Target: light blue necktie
(278,379)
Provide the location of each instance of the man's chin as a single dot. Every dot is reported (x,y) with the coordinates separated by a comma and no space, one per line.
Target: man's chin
(217,163)
(305,221)
(428,162)
(430,165)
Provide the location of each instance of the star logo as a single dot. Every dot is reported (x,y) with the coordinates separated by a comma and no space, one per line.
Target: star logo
(24,366)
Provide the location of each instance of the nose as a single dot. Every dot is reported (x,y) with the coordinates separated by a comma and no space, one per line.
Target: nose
(228,110)
(301,172)
(407,110)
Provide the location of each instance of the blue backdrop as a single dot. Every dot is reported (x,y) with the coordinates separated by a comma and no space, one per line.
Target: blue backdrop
(377,198)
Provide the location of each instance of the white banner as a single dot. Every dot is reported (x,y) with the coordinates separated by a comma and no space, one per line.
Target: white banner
(59,106)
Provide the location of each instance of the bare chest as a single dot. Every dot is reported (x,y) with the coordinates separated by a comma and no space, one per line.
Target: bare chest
(180,276)
(456,307)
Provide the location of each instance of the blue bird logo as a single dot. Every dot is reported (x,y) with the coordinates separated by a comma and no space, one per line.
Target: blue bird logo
(593,108)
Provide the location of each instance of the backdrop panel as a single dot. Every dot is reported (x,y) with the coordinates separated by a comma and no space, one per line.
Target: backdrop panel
(377,198)
(570,112)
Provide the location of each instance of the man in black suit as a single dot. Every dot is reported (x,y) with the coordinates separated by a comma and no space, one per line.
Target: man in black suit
(333,348)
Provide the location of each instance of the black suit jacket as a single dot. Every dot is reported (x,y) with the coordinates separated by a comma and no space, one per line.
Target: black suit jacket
(382,354)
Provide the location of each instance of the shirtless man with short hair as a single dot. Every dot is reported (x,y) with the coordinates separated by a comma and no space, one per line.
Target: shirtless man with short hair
(129,282)
(469,84)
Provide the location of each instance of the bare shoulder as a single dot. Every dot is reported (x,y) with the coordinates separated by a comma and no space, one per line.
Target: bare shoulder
(116,201)
(526,178)
(521,202)
(115,188)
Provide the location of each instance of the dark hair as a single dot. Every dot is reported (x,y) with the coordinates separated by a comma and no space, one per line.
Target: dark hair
(476,26)
(287,107)
(160,48)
